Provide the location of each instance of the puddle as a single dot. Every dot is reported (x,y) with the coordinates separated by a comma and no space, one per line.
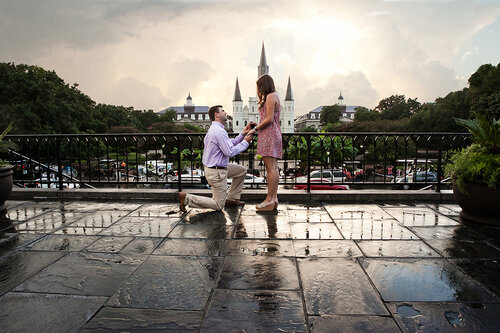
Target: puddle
(407,311)
(454,318)
(423,280)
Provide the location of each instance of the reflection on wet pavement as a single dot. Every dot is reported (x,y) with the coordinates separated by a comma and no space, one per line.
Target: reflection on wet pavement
(326,248)
(420,217)
(259,272)
(352,324)
(447,317)
(255,311)
(423,280)
(62,243)
(145,320)
(132,266)
(175,283)
(397,248)
(28,312)
(270,247)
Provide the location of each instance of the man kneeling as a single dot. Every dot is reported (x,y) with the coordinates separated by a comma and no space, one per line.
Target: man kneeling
(218,149)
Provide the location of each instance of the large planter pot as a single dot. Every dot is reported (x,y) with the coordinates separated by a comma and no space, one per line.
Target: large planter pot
(5,185)
(481,205)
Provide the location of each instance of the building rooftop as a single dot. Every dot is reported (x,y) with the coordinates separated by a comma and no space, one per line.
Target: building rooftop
(134,265)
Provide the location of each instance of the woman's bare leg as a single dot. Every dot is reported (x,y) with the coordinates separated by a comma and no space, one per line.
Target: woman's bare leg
(271,164)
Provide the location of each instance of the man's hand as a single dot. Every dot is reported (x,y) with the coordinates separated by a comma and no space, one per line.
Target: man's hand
(248,127)
(248,137)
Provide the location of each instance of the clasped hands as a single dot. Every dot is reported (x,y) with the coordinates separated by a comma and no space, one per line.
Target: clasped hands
(249,131)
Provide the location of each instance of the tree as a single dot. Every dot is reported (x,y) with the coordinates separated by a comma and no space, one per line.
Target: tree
(145,118)
(309,129)
(38,101)
(484,91)
(168,116)
(439,116)
(329,114)
(364,114)
(396,107)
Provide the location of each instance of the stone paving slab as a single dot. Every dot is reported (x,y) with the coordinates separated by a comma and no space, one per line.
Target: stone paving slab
(352,324)
(143,320)
(308,267)
(255,311)
(446,317)
(27,312)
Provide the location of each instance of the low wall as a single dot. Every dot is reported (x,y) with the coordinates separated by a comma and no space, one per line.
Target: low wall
(299,196)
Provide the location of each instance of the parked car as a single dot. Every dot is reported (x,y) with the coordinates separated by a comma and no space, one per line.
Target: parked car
(419,177)
(190,176)
(54,182)
(250,181)
(321,184)
(333,175)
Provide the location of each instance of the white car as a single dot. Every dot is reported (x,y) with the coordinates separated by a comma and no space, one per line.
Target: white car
(335,176)
(54,182)
(250,181)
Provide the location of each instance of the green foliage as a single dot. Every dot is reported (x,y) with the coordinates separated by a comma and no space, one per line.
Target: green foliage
(329,114)
(324,149)
(396,107)
(484,91)
(485,133)
(310,129)
(438,116)
(374,126)
(168,116)
(364,114)
(474,163)
(481,160)
(194,128)
(41,102)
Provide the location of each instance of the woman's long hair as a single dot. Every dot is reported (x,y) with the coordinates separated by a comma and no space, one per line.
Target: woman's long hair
(265,86)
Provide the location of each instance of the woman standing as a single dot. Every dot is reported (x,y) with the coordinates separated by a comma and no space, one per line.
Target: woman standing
(269,144)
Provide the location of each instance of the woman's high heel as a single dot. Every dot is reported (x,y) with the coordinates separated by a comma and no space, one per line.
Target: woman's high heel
(267,208)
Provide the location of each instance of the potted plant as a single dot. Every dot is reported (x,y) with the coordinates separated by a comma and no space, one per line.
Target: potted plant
(475,171)
(5,170)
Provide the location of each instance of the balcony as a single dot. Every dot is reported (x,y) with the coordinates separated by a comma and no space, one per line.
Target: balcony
(116,254)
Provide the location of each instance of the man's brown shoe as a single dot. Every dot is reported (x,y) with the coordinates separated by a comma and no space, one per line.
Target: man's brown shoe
(234,202)
(182,199)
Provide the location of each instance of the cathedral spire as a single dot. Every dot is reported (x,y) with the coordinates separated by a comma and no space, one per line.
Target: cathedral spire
(237,94)
(289,95)
(263,67)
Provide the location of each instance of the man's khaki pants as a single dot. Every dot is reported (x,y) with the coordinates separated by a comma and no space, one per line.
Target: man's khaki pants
(217,178)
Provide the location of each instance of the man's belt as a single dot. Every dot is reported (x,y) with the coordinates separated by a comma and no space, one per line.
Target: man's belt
(217,167)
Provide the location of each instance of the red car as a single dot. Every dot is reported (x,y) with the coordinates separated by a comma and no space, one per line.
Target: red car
(321,184)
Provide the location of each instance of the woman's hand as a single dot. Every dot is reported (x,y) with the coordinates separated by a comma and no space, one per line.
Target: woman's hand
(248,127)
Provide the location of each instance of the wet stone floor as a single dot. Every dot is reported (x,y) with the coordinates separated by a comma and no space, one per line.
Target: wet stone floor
(141,266)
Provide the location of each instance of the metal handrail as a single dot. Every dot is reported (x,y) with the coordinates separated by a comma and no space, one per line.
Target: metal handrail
(375,155)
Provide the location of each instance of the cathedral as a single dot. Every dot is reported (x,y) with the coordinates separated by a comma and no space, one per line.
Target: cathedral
(242,115)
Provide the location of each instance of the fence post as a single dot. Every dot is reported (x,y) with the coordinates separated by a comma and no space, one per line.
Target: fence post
(439,166)
(308,163)
(59,166)
(179,183)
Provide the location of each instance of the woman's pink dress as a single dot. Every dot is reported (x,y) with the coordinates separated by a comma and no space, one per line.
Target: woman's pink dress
(269,138)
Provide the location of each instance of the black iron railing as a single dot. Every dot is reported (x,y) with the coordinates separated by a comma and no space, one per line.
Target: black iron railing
(310,160)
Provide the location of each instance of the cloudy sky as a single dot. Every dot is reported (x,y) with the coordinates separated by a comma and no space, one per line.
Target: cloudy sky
(150,54)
